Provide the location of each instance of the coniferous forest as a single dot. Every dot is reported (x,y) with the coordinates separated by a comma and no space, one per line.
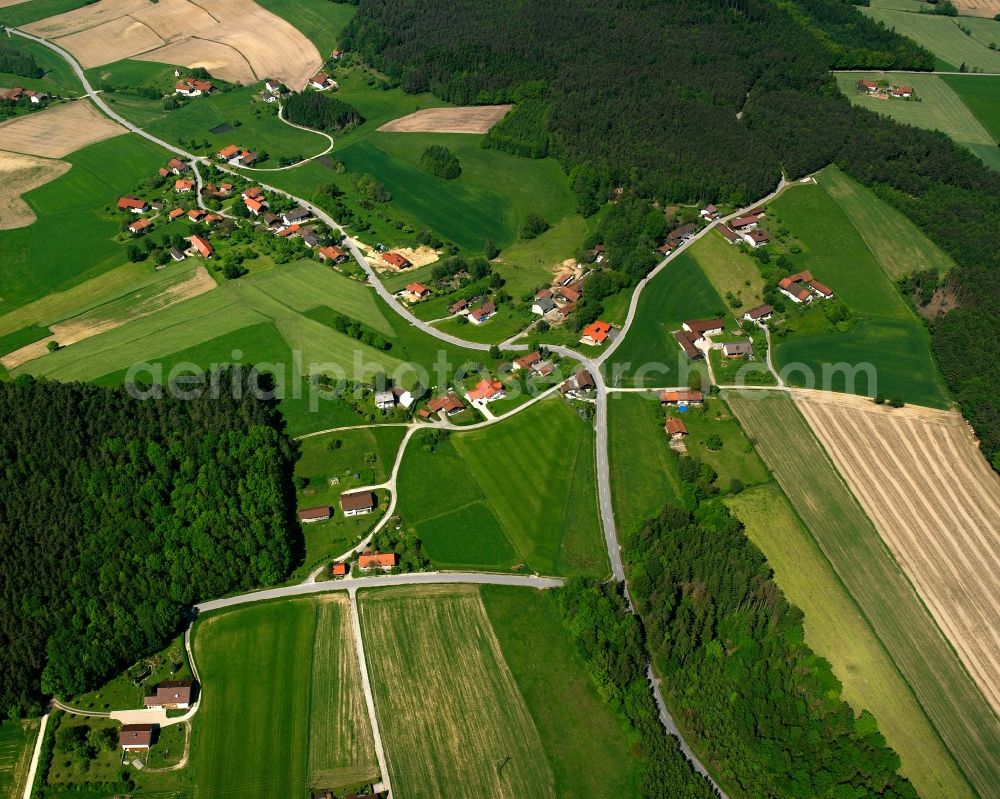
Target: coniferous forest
(712,100)
(117,513)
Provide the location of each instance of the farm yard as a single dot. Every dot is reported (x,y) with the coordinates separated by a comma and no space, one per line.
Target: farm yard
(59,130)
(439,679)
(964,720)
(452,119)
(220,35)
(285,672)
(934,499)
(519,495)
(20,174)
(837,631)
(17,738)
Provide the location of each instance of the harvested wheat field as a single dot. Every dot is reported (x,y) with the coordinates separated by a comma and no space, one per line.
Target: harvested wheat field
(224,36)
(20,174)
(59,130)
(935,501)
(180,287)
(978,8)
(448,707)
(461,119)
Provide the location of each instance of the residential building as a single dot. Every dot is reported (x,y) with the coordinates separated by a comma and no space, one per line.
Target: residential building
(675,428)
(171,694)
(133,204)
(747,222)
(321,81)
(136,737)
(228,152)
(485,311)
(395,260)
(334,254)
(580,383)
(449,405)
(176,213)
(176,254)
(542,305)
(709,212)
(755,238)
(728,233)
(687,340)
(182,186)
(737,349)
(458,307)
(384,400)
(417,291)
(139,226)
(867,86)
(295,216)
(312,515)
(386,561)
(358,503)
(339,570)
(595,334)
(681,397)
(526,361)
(703,327)
(759,314)
(486,391)
(200,245)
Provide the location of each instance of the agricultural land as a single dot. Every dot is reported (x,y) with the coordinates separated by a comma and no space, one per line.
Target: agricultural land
(455,119)
(59,130)
(21,174)
(945,39)
(17,738)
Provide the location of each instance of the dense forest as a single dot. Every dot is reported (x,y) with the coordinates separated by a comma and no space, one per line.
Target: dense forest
(18,62)
(712,100)
(315,110)
(759,703)
(116,513)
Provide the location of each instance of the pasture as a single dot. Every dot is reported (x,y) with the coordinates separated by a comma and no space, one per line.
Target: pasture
(59,78)
(526,265)
(449,709)
(836,629)
(452,119)
(982,95)
(20,174)
(21,12)
(730,271)
(17,739)
(935,107)
(942,36)
(951,700)
(320,20)
(518,494)
(934,499)
(59,130)
(897,244)
(649,355)
(885,332)
(285,675)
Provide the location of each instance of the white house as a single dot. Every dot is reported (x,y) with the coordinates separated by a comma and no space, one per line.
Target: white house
(385,401)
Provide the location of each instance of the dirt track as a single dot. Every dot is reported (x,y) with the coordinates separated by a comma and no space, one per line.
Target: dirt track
(59,130)
(20,174)
(936,503)
(462,119)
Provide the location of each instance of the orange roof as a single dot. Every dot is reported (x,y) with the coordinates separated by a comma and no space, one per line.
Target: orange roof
(288,231)
(320,78)
(175,213)
(195,214)
(395,259)
(377,559)
(674,426)
(140,224)
(253,192)
(597,331)
(417,288)
(338,570)
(528,360)
(130,202)
(333,253)
(252,204)
(447,403)
(181,184)
(684,395)
(485,389)
(213,218)
(228,152)
(202,246)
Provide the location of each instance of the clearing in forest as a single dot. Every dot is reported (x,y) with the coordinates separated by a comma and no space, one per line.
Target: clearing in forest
(20,174)
(59,130)
(223,36)
(936,502)
(449,709)
(963,718)
(460,119)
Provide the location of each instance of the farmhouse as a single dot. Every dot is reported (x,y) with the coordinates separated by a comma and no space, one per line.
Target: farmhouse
(176,213)
(703,327)
(273,86)
(666,248)
(339,570)
(728,233)
(458,307)
(542,305)
(867,86)
(709,212)
(675,428)
(595,334)
(322,82)
(395,260)
(681,397)
(320,514)
(334,254)
(231,151)
(358,503)
(182,186)
(417,291)
(192,87)
(802,287)
(196,214)
(687,340)
(902,91)
(485,311)
(748,222)
(139,226)
(568,293)
(759,314)
(682,233)
(173,693)
(579,383)
(486,391)
(526,361)
(245,158)
(385,401)
(737,349)
(201,246)
(449,404)
(134,737)
(385,561)
(755,238)
(133,204)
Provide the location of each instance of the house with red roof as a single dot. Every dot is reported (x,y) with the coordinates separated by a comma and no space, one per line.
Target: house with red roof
(759,314)
(675,428)
(703,327)
(321,82)
(755,238)
(253,193)
(902,91)
(177,166)
(687,341)
(133,204)
(449,405)
(334,254)
(458,306)
(485,311)
(197,214)
(727,232)
(339,570)
(182,186)
(201,246)
(395,260)
(803,287)
(357,503)
(867,86)
(417,291)
(486,391)
(230,151)
(595,334)
(313,515)
(681,397)
(748,222)
(709,212)
(255,207)
(176,213)
(526,361)
(193,87)
(370,561)
(139,226)
(133,737)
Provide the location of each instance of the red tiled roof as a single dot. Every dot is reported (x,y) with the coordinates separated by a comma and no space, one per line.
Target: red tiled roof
(417,288)
(759,311)
(175,213)
(288,231)
(485,389)
(333,253)
(743,221)
(483,311)
(228,152)
(372,560)
(597,331)
(140,224)
(681,395)
(136,735)
(395,259)
(128,203)
(181,184)
(526,361)
(202,246)
(447,403)
(674,426)
(338,570)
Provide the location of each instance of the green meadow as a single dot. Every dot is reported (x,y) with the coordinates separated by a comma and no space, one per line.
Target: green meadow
(885,332)
(59,78)
(520,494)
(17,739)
(730,270)
(320,20)
(981,93)
(526,265)
(649,355)
(32,10)
(943,37)
(71,241)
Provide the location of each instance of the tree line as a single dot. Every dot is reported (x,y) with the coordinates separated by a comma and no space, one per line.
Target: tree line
(314,110)
(18,62)
(117,513)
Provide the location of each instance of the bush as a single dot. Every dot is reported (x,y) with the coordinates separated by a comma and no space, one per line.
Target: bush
(534,225)
(440,161)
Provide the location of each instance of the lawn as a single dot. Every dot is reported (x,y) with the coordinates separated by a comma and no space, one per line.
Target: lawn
(574,724)
(59,78)
(17,740)
(649,355)
(279,676)
(836,629)
(942,36)
(528,264)
(886,333)
(509,319)
(320,20)
(729,270)
(935,107)
(449,709)
(897,244)
(867,570)
(35,261)
(517,494)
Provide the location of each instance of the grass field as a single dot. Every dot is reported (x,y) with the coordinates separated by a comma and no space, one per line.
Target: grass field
(59,78)
(528,264)
(649,355)
(280,674)
(942,36)
(887,334)
(936,107)
(837,630)
(897,244)
(729,270)
(951,700)
(31,10)
(17,739)
(320,20)
(34,261)
(982,96)
(518,493)
(449,709)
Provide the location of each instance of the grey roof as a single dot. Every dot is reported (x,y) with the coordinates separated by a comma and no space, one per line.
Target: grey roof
(545,303)
(296,215)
